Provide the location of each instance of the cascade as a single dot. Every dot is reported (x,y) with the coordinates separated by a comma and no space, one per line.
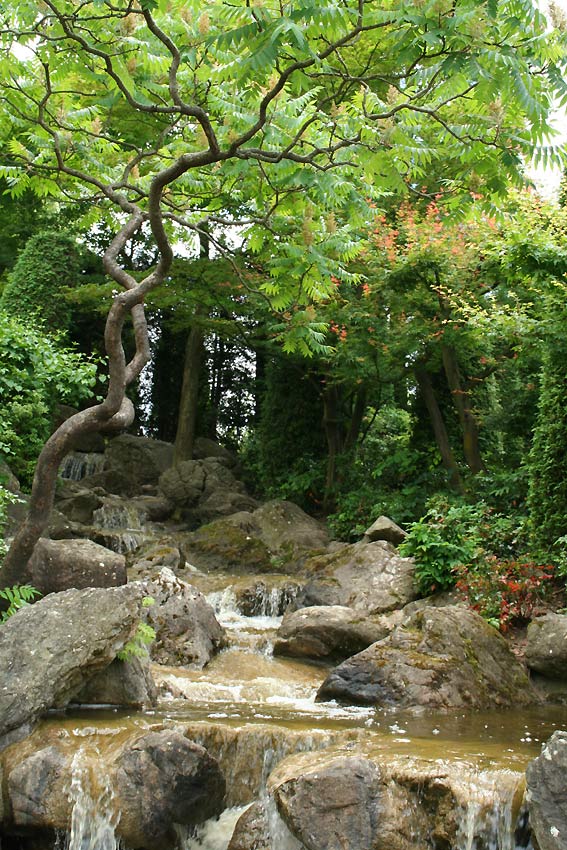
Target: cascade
(77,465)
(93,819)
(121,525)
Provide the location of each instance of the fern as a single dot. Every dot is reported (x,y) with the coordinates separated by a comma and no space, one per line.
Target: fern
(17,597)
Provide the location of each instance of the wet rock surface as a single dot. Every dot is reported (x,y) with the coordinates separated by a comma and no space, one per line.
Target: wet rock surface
(163,779)
(187,631)
(143,786)
(547,797)
(438,658)
(334,632)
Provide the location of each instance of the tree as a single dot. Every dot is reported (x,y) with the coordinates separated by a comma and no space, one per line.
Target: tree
(162,114)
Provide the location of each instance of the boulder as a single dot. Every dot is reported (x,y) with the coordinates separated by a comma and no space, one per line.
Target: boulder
(142,786)
(289,532)
(192,480)
(140,459)
(163,779)
(332,631)
(204,448)
(113,481)
(369,577)
(439,658)
(58,565)
(547,800)
(546,648)
(7,478)
(151,557)
(126,684)
(49,650)
(385,529)
(333,808)
(187,631)
(220,503)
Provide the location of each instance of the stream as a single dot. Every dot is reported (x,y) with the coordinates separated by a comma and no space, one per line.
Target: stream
(251,710)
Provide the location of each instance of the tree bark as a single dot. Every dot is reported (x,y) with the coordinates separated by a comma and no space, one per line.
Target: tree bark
(333,425)
(441,437)
(461,400)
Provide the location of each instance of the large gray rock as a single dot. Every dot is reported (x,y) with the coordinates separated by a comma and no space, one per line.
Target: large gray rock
(289,532)
(144,784)
(205,448)
(126,684)
(163,779)
(547,798)
(58,565)
(252,830)
(48,651)
(546,648)
(327,631)
(80,506)
(232,543)
(192,480)
(439,658)
(140,459)
(187,631)
(368,577)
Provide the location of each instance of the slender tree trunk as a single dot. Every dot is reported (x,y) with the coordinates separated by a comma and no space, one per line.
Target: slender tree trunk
(357,415)
(333,425)
(188,404)
(114,413)
(461,400)
(441,437)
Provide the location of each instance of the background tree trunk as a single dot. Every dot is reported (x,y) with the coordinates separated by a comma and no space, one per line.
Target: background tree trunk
(441,437)
(461,400)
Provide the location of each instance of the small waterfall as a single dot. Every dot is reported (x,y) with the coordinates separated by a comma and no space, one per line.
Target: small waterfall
(269,601)
(93,820)
(77,465)
(215,833)
(490,812)
(121,525)
(280,836)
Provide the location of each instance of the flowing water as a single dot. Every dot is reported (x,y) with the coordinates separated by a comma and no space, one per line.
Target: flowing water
(77,465)
(252,710)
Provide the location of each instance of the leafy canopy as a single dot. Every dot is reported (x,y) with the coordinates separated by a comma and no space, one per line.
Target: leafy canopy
(283,117)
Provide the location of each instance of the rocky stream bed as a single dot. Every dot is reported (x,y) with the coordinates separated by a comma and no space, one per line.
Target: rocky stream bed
(299,697)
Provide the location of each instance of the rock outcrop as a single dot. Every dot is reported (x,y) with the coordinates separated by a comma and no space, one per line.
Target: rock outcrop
(333,801)
(125,684)
(141,460)
(386,529)
(547,798)
(143,786)
(438,658)
(48,651)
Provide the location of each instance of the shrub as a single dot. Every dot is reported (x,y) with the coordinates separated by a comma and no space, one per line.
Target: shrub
(505,592)
(16,597)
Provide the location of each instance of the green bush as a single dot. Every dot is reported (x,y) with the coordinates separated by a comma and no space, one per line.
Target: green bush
(47,267)
(36,371)
(453,536)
